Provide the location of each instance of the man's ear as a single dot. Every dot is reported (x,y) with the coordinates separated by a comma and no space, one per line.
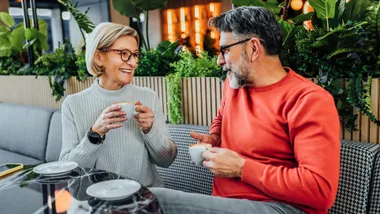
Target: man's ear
(98,58)
(256,48)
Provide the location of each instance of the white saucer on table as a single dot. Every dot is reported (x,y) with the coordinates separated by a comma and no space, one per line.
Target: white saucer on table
(55,168)
(113,190)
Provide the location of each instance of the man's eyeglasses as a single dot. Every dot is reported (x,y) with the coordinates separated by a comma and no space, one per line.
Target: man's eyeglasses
(224,48)
(125,54)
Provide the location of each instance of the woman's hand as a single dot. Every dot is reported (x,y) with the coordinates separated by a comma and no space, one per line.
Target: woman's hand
(145,117)
(111,118)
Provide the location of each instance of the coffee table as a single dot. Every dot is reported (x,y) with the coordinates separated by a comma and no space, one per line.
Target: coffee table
(28,192)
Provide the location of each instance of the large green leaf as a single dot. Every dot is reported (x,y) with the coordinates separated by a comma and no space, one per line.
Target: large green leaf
(340,6)
(355,9)
(5,47)
(169,52)
(31,33)
(149,4)
(43,41)
(345,50)
(303,17)
(7,19)
(348,40)
(17,38)
(324,8)
(127,8)
(43,27)
(287,28)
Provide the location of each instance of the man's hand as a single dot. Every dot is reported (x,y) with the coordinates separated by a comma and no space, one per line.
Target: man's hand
(223,162)
(145,117)
(213,139)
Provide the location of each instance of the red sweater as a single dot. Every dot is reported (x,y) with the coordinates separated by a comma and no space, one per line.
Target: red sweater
(289,133)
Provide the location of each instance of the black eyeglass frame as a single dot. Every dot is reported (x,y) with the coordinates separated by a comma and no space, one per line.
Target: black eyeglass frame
(224,47)
(120,51)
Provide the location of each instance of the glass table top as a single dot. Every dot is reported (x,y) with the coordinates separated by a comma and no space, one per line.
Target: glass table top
(28,192)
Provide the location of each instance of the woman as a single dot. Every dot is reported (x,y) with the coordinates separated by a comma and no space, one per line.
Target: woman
(96,134)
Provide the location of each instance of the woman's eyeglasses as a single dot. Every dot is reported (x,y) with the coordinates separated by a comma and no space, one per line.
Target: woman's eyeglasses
(125,54)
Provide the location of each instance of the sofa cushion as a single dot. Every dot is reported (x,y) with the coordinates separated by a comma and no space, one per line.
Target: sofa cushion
(24,129)
(54,142)
(182,175)
(11,157)
(374,197)
(356,164)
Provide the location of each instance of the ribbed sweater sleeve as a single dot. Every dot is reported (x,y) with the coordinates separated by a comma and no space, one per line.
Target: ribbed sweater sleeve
(76,148)
(162,149)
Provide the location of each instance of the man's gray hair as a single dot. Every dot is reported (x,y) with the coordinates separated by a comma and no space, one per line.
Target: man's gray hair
(245,22)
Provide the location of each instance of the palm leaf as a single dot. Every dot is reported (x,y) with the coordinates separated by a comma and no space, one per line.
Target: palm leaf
(82,20)
(373,19)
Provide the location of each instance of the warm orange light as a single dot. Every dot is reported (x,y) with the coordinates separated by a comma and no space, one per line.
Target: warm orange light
(296,4)
(198,49)
(63,201)
(212,35)
(170,22)
(308,25)
(196,11)
(212,8)
(183,35)
(182,18)
(197,38)
(197,26)
(307,8)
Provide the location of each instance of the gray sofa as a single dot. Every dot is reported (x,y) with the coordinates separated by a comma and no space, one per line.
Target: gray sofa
(29,135)
(32,135)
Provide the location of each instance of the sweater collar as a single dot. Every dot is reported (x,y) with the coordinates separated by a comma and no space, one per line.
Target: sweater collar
(109,95)
(274,85)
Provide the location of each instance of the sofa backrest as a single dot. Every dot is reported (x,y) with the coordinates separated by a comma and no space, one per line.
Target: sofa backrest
(182,175)
(24,129)
(356,166)
(374,197)
(54,141)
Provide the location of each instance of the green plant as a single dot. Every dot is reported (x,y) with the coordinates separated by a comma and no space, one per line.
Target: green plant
(84,23)
(187,66)
(15,40)
(133,8)
(156,62)
(343,44)
(59,66)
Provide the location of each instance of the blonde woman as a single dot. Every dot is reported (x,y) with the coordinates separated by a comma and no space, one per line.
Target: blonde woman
(96,134)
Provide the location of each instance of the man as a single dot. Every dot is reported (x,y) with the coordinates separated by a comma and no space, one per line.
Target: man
(276,138)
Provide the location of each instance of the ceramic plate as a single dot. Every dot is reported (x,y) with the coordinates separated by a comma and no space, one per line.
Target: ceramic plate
(55,168)
(113,189)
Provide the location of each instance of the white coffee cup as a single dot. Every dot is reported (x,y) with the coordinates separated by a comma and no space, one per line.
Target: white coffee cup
(196,151)
(129,108)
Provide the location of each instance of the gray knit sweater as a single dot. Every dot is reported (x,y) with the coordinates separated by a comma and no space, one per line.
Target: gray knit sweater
(127,150)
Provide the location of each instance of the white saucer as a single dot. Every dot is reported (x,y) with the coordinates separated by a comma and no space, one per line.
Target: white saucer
(55,168)
(113,190)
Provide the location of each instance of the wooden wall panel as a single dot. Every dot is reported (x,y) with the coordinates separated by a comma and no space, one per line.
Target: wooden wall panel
(200,99)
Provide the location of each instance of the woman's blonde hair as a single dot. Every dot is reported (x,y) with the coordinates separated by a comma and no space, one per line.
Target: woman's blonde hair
(103,36)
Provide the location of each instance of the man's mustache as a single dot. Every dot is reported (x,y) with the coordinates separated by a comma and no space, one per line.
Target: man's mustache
(225,70)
